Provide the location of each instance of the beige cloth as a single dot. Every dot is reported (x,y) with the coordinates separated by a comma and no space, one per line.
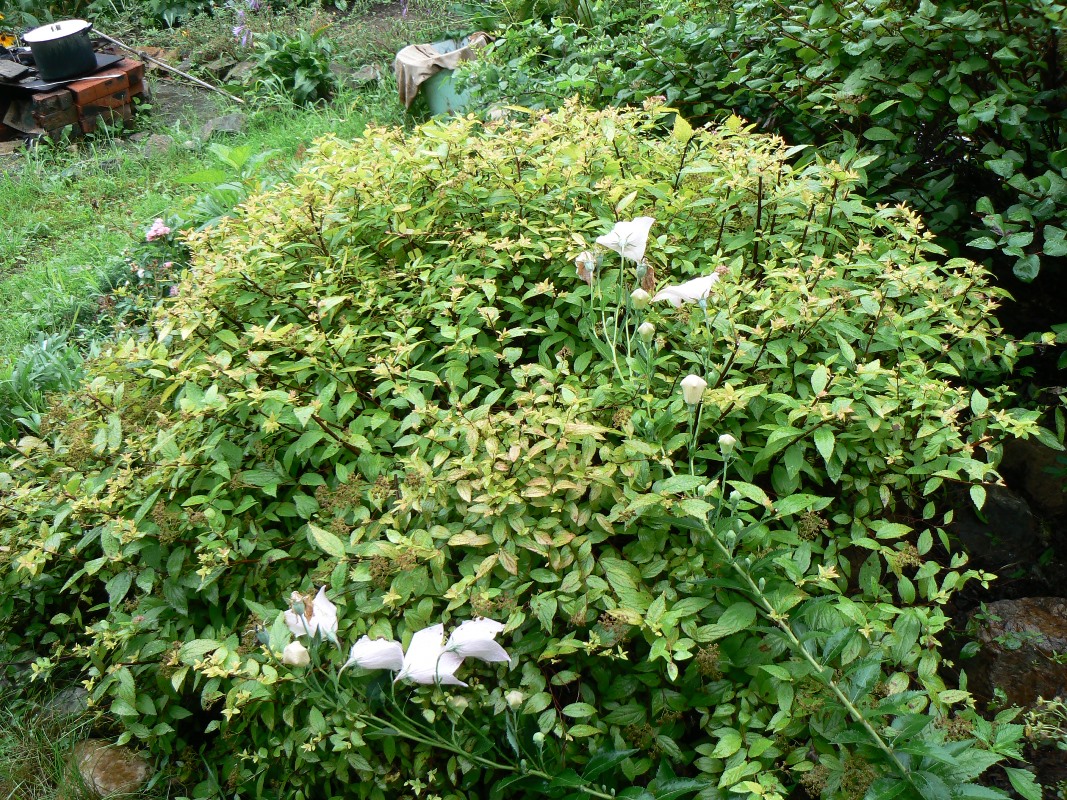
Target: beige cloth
(417,63)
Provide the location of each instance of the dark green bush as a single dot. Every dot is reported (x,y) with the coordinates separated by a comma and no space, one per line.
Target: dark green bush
(385,377)
(961,106)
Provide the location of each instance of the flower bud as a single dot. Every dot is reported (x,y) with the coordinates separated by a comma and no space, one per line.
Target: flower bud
(538,738)
(727,443)
(459,703)
(514,699)
(693,387)
(586,265)
(296,655)
(640,298)
(646,332)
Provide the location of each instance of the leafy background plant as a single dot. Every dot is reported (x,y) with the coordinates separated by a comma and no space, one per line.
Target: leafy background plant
(384,376)
(956,108)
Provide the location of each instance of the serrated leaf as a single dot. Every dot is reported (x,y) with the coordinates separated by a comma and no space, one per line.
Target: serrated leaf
(1024,783)
(978,495)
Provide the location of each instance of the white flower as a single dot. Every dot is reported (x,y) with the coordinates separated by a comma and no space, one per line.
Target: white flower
(474,639)
(639,297)
(514,699)
(426,660)
(376,654)
(727,443)
(646,331)
(322,617)
(693,387)
(628,239)
(689,292)
(296,655)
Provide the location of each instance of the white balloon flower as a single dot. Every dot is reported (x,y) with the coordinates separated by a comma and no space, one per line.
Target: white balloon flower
(321,617)
(689,292)
(628,238)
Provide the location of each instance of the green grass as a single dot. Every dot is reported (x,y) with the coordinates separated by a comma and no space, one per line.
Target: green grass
(68,213)
(66,217)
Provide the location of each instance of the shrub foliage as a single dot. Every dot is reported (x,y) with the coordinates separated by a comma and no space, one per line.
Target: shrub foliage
(385,377)
(959,108)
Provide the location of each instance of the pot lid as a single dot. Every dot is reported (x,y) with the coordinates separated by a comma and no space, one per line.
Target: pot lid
(56,30)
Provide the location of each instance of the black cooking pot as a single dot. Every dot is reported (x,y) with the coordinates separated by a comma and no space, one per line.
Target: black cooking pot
(62,50)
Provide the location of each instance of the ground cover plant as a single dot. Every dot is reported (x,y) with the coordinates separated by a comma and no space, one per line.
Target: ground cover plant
(957,108)
(701,480)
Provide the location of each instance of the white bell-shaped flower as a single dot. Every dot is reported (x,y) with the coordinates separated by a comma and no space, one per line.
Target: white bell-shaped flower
(320,618)
(376,654)
(427,661)
(475,639)
(689,292)
(628,238)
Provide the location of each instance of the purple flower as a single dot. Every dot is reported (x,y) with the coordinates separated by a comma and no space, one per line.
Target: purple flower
(173,291)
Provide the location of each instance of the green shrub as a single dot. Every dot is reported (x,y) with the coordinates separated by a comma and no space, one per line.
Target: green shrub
(961,106)
(386,378)
(296,67)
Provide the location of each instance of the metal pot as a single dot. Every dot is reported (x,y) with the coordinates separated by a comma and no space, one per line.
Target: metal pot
(62,50)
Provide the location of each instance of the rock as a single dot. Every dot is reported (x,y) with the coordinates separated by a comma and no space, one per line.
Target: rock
(220,66)
(231,123)
(1039,471)
(107,769)
(158,144)
(1005,537)
(71,701)
(1019,641)
(15,146)
(356,78)
(240,71)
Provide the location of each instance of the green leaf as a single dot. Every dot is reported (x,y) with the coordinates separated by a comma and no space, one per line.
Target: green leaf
(118,586)
(679,484)
(579,710)
(824,442)
(978,495)
(877,134)
(795,503)
(326,541)
(1024,783)
(979,403)
(729,743)
(1027,268)
(604,761)
(738,617)
(196,649)
(820,376)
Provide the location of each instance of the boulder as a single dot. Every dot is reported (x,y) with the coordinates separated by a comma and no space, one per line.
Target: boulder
(1005,537)
(1022,642)
(230,123)
(108,769)
(1039,471)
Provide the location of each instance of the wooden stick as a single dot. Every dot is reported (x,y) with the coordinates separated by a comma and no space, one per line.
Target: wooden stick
(168,67)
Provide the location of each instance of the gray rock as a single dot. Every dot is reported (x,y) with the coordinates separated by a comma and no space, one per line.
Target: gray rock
(107,769)
(1039,471)
(356,78)
(240,71)
(70,702)
(230,123)
(1020,642)
(158,144)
